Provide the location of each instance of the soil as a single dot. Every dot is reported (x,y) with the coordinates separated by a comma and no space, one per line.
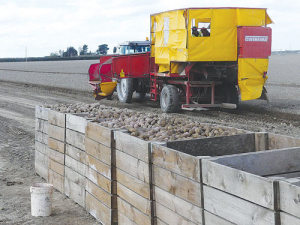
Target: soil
(17,124)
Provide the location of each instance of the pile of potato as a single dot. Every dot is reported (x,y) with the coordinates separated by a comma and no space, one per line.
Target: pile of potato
(148,126)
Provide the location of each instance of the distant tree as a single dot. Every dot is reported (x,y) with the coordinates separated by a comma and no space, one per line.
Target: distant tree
(71,51)
(54,54)
(102,49)
(84,50)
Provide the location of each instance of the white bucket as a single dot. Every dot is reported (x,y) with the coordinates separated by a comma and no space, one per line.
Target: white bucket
(41,199)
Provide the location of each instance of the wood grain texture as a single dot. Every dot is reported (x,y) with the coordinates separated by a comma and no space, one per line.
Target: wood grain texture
(236,210)
(75,177)
(40,147)
(100,167)
(57,180)
(56,167)
(75,139)
(277,141)
(133,214)
(98,151)
(76,122)
(287,219)
(56,145)
(99,133)
(41,137)
(57,133)
(179,186)
(41,112)
(74,192)
(75,153)
(41,126)
(41,164)
(211,219)
(177,162)
(290,197)
(75,165)
(122,219)
(56,156)
(57,118)
(261,141)
(106,184)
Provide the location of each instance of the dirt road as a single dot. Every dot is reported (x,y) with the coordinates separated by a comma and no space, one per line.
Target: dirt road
(17,102)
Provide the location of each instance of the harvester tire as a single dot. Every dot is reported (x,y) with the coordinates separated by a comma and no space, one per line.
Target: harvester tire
(169,99)
(230,93)
(125,89)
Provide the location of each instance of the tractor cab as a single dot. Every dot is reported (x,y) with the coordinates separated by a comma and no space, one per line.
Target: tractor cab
(130,47)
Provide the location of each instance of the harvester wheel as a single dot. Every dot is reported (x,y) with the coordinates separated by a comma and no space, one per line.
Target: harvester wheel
(230,93)
(125,90)
(169,99)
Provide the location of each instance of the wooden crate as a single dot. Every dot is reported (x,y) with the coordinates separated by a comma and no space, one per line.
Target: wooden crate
(248,179)
(212,219)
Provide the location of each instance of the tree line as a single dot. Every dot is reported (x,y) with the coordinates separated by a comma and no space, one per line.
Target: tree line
(82,51)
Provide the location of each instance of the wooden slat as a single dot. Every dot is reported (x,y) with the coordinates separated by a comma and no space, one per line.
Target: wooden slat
(41,112)
(287,219)
(40,147)
(56,167)
(134,199)
(75,192)
(75,177)
(177,162)
(132,166)
(41,137)
(122,219)
(57,133)
(289,198)
(261,141)
(56,156)
(56,145)
(75,165)
(245,185)
(178,205)
(211,219)
(106,184)
(100,167)
(41,126)
(99,151)
(57,118)
(99,133)
(236,210)
(75,153)
(180,186)
(170,217)
(134,184)
(41,164)
(159,222)
(109,200)
(277,141)
(57,180)
(98,210)
(76,122)
(133,214)
(75,139)
(132,146)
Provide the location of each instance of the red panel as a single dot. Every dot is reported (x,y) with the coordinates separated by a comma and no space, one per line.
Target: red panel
(254,42)
(133,65)
(94,72)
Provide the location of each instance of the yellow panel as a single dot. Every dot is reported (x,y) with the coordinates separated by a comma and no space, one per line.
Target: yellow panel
(251,17)
(268,19)
(250,77)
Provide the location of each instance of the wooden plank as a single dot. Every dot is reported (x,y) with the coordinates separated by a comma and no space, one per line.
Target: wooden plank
(99,151)
(289,198)
(177,162)
(41,164)
(99,133)
(277,141)
(212,219)
(133,166)
(57,118)
(215,146)
(98,210)
(236,210)
(257,189)
(159,222)
(122,219)
(75,165)
(40,126)
(287,219)
(40,147)
(108,199)
(179,186)
(170,217)
(41,137)
(178,205)
(134,184)
(56,156)
(56,145)
(75,139)
(57,133)
(57,180)
(75,153)
(134,199)
(75,177)
(100,167)
(133,214)
(41,112)
(56,167)
(102,181)
(261,141)
(132,146)
(75,192)
(76,122)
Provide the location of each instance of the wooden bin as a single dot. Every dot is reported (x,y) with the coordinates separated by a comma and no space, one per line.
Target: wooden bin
(75,165)
(242,188)
(56,149)
(101,198)
(41,141)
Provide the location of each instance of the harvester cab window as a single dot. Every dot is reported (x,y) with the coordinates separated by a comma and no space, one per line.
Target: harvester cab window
(166,30)
(200,27)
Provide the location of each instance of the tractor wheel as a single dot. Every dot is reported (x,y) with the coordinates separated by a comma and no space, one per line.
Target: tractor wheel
(169,99)
(140,96)
(230,93)
(125,90)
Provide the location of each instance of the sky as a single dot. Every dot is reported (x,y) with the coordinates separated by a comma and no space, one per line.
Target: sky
(36,28)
